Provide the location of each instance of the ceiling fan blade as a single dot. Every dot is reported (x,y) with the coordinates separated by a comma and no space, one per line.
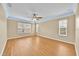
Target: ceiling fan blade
(38,18)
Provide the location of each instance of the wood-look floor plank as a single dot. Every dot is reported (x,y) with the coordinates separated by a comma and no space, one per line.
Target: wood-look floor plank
(38,46)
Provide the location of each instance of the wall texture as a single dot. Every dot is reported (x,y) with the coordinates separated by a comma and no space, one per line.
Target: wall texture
(77,35)
(3,29)
(50,29)
(77,31)
(12,30)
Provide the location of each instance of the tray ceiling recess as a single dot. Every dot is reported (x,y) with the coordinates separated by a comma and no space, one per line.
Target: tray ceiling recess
(48,11)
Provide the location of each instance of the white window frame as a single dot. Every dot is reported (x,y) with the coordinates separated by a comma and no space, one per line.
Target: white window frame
(27,28)
(64,25)
(19,28)
(23,28)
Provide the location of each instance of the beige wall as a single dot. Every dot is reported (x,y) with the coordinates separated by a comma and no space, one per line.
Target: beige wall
(77,35)
(77,31)
(50,29)
(3,30)
(12,30)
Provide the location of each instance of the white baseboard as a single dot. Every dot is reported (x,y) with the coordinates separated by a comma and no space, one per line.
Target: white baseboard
(76,50)
(56,39)
(18,37)
(3,48)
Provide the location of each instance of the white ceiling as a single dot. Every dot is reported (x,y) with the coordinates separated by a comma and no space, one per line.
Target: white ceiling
(24,11)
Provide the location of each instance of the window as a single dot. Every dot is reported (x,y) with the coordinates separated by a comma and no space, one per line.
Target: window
(63,27)
(24,28)
(27,28)
(20,27)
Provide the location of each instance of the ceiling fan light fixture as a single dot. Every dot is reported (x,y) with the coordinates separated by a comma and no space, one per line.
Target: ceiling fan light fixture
(36,17)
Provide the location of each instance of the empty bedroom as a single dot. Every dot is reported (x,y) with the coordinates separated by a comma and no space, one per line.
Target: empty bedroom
(39,29)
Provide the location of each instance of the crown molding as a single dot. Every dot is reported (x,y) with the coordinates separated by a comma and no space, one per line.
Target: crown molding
(22,19)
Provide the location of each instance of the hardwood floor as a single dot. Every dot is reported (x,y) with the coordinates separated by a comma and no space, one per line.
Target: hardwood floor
(38,46)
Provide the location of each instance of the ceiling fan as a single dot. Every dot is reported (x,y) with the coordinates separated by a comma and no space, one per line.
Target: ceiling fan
(35,16)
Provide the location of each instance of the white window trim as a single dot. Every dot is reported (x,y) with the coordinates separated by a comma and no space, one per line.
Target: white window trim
(66,29)
(23,24)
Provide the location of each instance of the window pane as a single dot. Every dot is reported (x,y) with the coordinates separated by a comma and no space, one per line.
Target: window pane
(27,28)
(63,27)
